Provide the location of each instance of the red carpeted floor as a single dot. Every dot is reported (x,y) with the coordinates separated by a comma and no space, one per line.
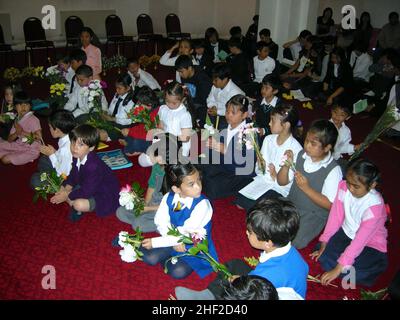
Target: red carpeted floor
(33,236)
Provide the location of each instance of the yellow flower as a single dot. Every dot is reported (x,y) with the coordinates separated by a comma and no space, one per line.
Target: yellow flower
(59,93)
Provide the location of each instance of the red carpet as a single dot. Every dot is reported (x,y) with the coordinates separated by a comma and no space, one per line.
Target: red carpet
(88,267)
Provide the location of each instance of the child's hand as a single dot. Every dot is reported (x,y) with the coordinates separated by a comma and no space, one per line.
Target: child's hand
(180,248)
(329,276)
(301,181)
(289,154)
(125,132)
(272,171)
(18,129)
(146,243)
(47,150)
(60,197)
(316,254)
(213,144)
(212,111)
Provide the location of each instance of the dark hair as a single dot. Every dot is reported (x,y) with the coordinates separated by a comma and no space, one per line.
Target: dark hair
(249,287)
(339,52)
(327,9)
(261,45)
(235,31)
(210,32)
(94,39)
(177,89)
(78,55)
(63,58)
(265,32)
(221,71)
(21,97)
(365,169)
(235,42)
(344,107)
(289,114)
(393,14)
(273,81)
(365,14)
(275,220)
(84,70)
(147,97)
(240,101)
(360,45)
(124,79)
(88,134)
(175,173)
(63,120)
(304,34)
(199,43)
(183,62)
(326,132)
(131,60)
(393,57)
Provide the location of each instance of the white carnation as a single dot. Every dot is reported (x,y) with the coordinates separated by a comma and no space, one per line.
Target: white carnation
(128,254)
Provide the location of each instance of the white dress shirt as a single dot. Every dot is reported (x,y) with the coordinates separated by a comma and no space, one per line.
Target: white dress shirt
(295,49)
(199,218)
(145,79)
(361,65)
(343,145)
(80,163)
(78,103)
(331,183)
(121,117)
(61,160)
(166,60)
(262,68)
(392,101)
(219,97)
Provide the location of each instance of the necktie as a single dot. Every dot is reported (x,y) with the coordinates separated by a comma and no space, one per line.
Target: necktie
(178,207)
(266,107)
(116,107)
(72,84)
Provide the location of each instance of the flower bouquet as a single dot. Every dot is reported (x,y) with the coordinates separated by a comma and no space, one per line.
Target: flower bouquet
(51,183)
(288,163)
(29,139)
(388,119)
(140,114)
(248,137)
(208,130)
(131,197)
(94,93)
(55,75)
(58,94)
(130,244)
(199,250)
(7,117)
(12,74)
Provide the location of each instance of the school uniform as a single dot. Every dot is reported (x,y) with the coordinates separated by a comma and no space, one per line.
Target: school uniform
(91,178)
(194,214)
(219,97)
(79,106)
(360,65)
(214,49)
(262,68)
(272,153)
(273,50)
(174,121)
(166,60)
(144,79)
(225,174)
(324,177)
(263,112)
(356,235)
(343,145)
(205,62)
(119,107)
(340,76)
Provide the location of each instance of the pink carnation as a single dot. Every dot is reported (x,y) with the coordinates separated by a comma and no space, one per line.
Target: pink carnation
(127,188)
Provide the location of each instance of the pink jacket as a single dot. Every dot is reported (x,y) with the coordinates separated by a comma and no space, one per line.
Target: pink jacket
(94,60)
(371,232)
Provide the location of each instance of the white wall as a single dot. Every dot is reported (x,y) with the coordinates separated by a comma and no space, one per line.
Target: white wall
(378,9)
(196,16)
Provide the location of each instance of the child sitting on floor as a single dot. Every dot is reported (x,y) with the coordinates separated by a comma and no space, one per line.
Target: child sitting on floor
(91,185)
(355,235)
(188,210)
(271,226)
(141,78)
(23,143)
(7,112)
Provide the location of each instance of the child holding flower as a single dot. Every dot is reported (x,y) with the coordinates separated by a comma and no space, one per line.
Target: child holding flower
(135,138)
(315,182)
(283,137)
(91,185)
(185,208)
(22,145)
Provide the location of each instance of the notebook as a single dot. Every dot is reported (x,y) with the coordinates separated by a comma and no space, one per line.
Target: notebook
(115,159)
(222,55)
(360,106)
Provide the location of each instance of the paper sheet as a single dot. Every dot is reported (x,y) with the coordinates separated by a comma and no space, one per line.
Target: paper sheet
(298,95)
(256,189)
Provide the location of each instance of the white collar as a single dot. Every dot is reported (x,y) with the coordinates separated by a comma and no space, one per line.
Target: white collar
(241,125)
(338,129)
(276,253)
(228,86)
(187,202)
(123,97)
(182,106)
(323,163)
(214,44)
(63,141)
(272,103)
(81,163)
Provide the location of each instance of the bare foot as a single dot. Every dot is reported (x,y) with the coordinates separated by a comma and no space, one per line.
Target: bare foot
(122,142)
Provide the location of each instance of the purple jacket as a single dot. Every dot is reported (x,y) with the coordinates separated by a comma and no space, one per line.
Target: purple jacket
(96,180)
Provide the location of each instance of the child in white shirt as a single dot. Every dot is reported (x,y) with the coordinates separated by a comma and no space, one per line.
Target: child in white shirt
(263,63)
(141,78)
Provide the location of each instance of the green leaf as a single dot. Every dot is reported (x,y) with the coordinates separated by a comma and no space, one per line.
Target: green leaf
(202,247)
(208,120)
(194,250)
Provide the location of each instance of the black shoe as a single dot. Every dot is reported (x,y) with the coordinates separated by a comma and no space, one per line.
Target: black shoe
(74,215)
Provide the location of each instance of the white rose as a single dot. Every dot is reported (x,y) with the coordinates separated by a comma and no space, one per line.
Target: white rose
(126,200)
(121,238)
(91,99)
(92,93)
(128,254)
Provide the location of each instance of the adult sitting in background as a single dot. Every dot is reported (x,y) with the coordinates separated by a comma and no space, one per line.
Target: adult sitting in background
(389,37)
(364,30)
(325,24)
